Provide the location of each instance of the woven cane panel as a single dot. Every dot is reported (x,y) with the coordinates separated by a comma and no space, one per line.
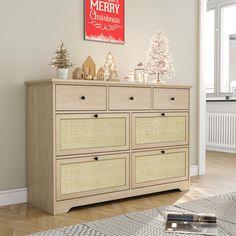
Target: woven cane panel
(158,167)
(158,129)
(92,175)
(92,133)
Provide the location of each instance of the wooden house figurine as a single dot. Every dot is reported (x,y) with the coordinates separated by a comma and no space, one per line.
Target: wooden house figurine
(89,67)
(100,74)
(78,73)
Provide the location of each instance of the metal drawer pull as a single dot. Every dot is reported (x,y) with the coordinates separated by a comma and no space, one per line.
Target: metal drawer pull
(96,115)
(172,99)
(96,158)
(163,114)
(131,98)
(83,97)
(163,152)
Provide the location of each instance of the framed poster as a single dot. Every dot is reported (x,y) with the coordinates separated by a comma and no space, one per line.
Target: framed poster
(104,21)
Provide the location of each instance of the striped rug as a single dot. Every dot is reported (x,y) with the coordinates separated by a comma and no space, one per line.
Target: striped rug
(152,222)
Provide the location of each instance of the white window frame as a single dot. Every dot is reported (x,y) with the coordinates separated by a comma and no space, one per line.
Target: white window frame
(217,5)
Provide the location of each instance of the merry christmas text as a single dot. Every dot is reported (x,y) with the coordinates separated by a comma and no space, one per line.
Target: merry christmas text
(104,6)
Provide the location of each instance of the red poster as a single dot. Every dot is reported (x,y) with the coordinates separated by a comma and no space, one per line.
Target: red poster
(104,20)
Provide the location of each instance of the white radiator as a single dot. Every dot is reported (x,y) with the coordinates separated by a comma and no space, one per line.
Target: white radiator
(221,131)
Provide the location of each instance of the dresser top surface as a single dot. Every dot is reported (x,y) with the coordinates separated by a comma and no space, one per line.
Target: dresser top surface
(102,83)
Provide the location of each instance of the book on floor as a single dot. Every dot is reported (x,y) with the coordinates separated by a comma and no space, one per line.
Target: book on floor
(192,223)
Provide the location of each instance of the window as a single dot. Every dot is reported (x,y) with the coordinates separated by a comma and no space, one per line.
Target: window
(210,52)
(228,48)
(221,47)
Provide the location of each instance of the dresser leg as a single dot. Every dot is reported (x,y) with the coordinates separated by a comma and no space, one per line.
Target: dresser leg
(185,186)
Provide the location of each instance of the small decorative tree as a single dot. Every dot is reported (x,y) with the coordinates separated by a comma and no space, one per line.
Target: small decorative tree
(110,70)
(61,59)
(159,59)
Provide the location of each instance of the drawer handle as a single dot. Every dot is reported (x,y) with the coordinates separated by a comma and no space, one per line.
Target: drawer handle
(131,98)
(172,99)
(96,158)
(163,114)
(96,115)
(163,152)
(83,97)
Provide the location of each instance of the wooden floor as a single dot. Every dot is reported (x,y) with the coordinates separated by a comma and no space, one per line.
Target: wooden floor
(23,219)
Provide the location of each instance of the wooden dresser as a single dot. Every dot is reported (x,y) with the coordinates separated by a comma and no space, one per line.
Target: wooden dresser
(90,142)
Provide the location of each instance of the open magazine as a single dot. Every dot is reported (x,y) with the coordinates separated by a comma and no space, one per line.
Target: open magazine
(192,223)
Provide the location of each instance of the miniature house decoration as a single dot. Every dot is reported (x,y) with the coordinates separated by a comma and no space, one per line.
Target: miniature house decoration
(78,73)
(89,68)
(100,74)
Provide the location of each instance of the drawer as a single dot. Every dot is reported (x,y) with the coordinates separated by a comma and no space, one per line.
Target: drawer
(85,176)
(159,167)
(125,98)
(82,98)
(177,99)
(159,129)
(88,133)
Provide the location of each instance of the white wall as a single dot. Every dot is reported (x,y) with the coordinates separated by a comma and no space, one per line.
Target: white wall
(30,32)
(221,107)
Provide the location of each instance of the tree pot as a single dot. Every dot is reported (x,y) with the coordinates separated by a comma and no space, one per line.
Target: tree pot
(62,73)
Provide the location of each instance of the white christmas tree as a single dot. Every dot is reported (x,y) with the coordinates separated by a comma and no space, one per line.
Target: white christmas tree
(159,59)
(110,70)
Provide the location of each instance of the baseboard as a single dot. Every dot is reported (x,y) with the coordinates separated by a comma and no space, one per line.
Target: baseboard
(17,196)
(194,170)
(11,197)
(221,150)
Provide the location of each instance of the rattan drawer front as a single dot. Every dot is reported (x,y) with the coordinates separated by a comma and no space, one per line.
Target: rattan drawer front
(177,99)
(158,167)
(159,129)
(92,175)
(87,133)
(82,98)
(124,98)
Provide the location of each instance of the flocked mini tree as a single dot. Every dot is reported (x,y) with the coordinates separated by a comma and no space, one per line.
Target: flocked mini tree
(159,60)
(61,58)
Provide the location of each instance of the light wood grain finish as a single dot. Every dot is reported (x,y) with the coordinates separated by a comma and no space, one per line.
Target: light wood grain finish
(84,133)
(123,98)
(83,98)
(65,206)
(71,122)
(159,129)
(172,98)
(104,83)
(23,219)
(88,176)
(158,167)
(40,142)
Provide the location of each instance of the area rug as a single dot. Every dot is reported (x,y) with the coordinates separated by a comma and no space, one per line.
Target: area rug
(152,222)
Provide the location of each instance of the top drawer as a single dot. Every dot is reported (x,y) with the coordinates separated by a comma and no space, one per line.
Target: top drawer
(125,98)
(84,98)
(177,99)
